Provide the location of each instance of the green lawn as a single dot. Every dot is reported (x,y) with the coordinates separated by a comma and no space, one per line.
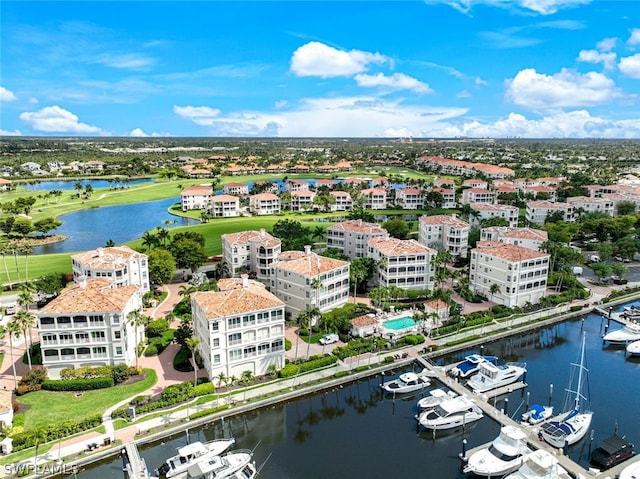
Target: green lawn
(48,407)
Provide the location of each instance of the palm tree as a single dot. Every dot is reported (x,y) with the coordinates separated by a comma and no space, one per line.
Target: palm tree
(14,252)
(357,273)
(494,289)
(4,251)
(162,235)
(149,240)
(11,330)
(136,318)
(25,298)
(25,321)
(193,343)
(247,380)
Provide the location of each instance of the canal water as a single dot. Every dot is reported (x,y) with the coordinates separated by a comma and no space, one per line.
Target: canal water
(92,228)
(356,432)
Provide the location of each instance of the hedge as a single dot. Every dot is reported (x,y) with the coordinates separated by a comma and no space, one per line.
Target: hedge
(52,432)
(292,369)
(78,384)
(208,412)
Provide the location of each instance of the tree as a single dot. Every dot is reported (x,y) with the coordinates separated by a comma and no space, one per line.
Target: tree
(46,225)
(26,250)
(109,243)
(162,266)
(601,270)
(494,289)
(359,213)
(361,271)
(625,208)
(163,235)
(246,379)
(396,227)
(50,284)
(193,344)
(11,330)
(188,254)
(25,320)
(4,251)
(149,240)
(136,318)
(22,227)
(494,221)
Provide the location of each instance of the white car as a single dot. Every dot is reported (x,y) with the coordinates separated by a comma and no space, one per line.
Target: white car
(329,339)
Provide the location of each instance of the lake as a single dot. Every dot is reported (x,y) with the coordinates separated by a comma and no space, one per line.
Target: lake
(355,432)
(67,185)
(92,228)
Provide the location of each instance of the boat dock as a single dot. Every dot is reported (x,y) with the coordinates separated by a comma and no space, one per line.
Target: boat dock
(134,464)
(483,400)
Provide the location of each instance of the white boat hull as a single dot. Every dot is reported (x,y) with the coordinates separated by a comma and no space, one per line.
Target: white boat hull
(505,454)
(483,382)
(633,349)
(631,472)
(566,432)
(451,423)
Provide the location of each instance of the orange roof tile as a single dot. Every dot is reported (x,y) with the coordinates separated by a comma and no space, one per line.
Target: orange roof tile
(97,296)
(507,251)
(397,247)
(217,304)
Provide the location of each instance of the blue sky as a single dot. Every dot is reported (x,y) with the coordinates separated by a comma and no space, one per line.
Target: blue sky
(428,69)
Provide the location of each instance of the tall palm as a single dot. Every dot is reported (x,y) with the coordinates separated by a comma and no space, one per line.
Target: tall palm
(14,252)
(138,319)
(357,274)
(247,379)
(25,298)
(317,284)
(149,240)
(11,330)
(4,251)
(162,235)
(25,321)
(193,343)
(494,289)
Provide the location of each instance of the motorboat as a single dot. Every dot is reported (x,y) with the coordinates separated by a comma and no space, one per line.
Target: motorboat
(470,365)
(435,397)
(633,349)
(505,454)
(187,455)
(629,333)
(540,464)
(231,465)
(632,471)
(491,376)
(450,413)
(613,451)
(537,413)
(407,382)
(576,421)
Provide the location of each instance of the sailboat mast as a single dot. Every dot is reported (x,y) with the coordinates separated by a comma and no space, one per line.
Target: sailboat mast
(579,385)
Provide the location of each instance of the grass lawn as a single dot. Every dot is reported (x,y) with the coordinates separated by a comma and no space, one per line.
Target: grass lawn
(49,407)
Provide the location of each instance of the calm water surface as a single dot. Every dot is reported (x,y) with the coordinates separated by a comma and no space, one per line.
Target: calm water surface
(89,229)
(71,184)
(355,432)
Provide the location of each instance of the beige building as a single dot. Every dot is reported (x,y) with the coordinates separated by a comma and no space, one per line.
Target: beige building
(251,252)
(224,206)
(410,198)
(403,263)
(264,204)
(302,200)
(446,232)
(520,274)
(196,197)
(478,195)
(375,198)
(121,265)
(352,236)
(487,211)
(592,205)
(343,201)
(240,328)
(235,189)
(88,325)
(304,279)
(537,211)
(526,237)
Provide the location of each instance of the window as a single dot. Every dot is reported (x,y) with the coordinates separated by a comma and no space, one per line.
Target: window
(117,335)
(235,338)
(214,326)
(118,350)
(215,343)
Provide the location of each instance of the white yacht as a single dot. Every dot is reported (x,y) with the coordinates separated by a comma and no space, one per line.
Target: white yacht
(189,454)
(435,397)
(505,454)
(491,376)
(450,413)
(630,472)
(629,333)
(537,413)
(470,365)
(576,421)
(231,465)
(633,349)
(407,382)
(540,464)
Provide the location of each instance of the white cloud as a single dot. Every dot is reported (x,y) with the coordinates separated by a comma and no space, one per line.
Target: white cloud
(634,38)
(200,115)
(10,133)
(126,61)
(480,82)
(281,104)
(138,133)
(543,7)
(6,95)
(607,44)
(397,81)
(463,94)
(320,60)
(630,66)
(594,56)
(53,119)
(564,89)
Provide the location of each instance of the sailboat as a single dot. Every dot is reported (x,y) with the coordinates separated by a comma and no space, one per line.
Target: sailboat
(576,421)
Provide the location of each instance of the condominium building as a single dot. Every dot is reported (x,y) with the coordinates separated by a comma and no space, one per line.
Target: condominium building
(240,328)
(526,237)
(475,183)
(617,198)
(343,201)
(87,325)
(520,274)
(352,236)
(403,263)
(121,265)
(448,197)
(446,232)
(304,279)
(235,188)
(264,204)
(224,206)
(410,198)
(591,205)
(250,252)
(195,197)
(537,211)
(375,198)
(302,200)
(297,185)
(477,195)
(486,211)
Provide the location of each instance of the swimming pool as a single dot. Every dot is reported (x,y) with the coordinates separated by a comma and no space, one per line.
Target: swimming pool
(399,323)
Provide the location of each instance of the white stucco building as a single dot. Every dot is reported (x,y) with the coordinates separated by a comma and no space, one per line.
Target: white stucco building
(375,198)
(537,211)
(446,232)
(240,328)
(487,211)
(88,325)
(352,236)
(196,197)
(592,205)
(526,237)
(410,198)
(224,206)
(519,273)
(251,252)
(265,204)
(119,264)
(403,263)
(477,195)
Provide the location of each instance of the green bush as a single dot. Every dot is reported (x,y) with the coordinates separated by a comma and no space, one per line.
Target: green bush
(157,328)
(151,350)
(77,384)
(52,432)
(315,362)
(204,389)
(208,412)
(411,340)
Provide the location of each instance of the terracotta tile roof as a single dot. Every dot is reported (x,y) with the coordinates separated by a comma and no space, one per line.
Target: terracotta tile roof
(491,207)
(375,191)
(518,233)
(114,257)
(410,191)
(479,191)
(443,191)
(97,296)
(436,304)
(507,251)
(359,226)
(303,193)
(443,220)
(244,237)
(4,181)
(234,185)
(264,196)
(365,320)
(217,304)
(310,264)
(289,255)
(199,190)
(549,205)
(322,182)
(223,198)
(397,247)
(341,194)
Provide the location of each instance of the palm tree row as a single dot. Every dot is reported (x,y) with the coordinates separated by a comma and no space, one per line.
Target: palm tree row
(20,324)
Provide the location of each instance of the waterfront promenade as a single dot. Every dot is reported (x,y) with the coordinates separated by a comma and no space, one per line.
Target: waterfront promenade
(74,450)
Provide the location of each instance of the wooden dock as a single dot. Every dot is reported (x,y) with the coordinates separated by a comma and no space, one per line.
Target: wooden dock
(134,464)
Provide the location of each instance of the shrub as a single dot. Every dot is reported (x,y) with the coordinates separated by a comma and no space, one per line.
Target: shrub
(34,376)
(77,384)
(139,400)
(208,412)
(151,349)
(157,328)
(316,362)
(204,389)
(412,339)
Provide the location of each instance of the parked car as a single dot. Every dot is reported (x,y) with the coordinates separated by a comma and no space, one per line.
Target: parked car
(329,339)
(11,309)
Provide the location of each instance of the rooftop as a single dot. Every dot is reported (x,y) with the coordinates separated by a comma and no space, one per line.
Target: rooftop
(97,295)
